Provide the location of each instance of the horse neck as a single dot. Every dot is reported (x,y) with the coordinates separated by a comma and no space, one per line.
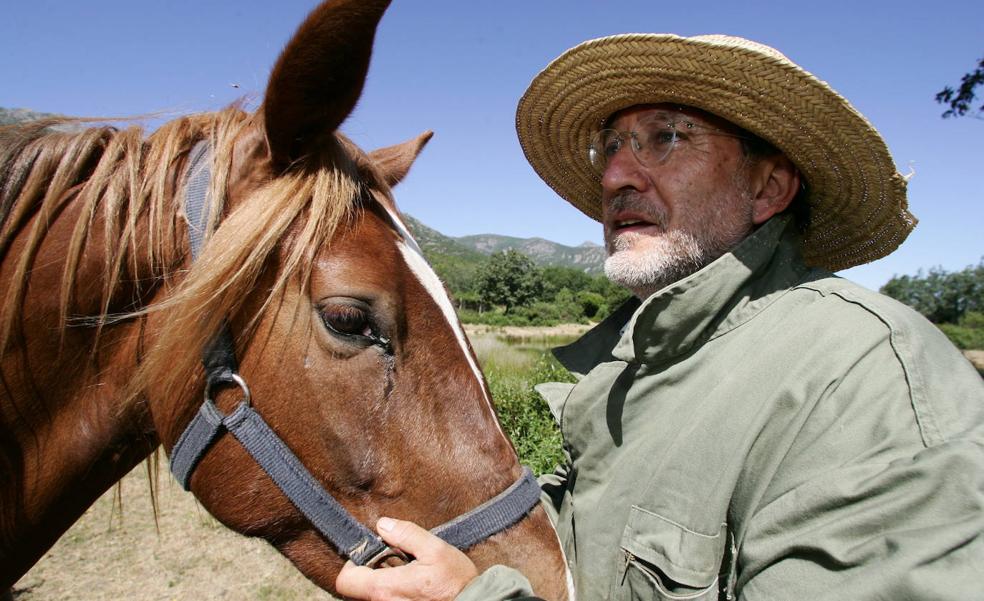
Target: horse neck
(65,434)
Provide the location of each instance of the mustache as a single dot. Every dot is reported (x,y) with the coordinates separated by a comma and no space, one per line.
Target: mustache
(634,202)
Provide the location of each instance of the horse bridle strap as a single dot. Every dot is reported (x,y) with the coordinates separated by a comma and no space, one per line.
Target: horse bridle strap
(350,538)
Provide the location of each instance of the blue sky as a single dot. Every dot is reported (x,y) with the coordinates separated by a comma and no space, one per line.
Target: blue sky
(458,67)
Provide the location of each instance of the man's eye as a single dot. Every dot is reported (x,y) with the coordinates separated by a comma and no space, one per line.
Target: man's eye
(661,138)
(611,146)
(346,319)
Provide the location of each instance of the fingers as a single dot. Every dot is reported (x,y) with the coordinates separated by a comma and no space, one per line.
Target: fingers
(438,573)
(355,581)
(411,538)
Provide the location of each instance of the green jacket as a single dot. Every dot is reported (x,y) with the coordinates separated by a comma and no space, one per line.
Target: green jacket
(763,430)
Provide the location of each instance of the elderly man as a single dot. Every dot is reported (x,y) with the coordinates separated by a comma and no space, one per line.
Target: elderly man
(749,426)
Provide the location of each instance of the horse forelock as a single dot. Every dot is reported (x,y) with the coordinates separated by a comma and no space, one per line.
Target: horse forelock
(282,225)
(129,187)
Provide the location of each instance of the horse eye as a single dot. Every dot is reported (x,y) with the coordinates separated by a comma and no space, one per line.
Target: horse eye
(346,320)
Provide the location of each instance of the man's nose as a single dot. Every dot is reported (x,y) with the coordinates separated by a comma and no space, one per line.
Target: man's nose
(623,172)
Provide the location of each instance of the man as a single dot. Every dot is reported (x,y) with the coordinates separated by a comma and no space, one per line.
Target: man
(750,426)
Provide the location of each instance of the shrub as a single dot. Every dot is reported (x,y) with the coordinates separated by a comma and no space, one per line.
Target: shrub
(548,314)
(493,318)
(524,415)
(591,303)
(968,333)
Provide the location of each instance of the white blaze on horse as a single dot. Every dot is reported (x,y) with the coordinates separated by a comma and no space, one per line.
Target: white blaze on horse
(337,330)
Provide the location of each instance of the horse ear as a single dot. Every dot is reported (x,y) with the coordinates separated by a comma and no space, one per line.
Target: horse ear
(394,161)
(319,76)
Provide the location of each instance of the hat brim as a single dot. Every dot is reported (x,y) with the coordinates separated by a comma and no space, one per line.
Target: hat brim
(857,198)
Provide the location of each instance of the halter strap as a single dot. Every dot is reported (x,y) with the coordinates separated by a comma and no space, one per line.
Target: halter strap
(350,538)
(219,357)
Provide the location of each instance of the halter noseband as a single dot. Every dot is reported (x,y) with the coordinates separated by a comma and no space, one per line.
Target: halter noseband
(350,538)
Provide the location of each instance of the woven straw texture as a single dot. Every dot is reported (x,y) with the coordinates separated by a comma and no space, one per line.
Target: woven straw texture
(858,199)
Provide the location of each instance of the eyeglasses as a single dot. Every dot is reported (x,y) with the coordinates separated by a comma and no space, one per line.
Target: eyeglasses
(652,143)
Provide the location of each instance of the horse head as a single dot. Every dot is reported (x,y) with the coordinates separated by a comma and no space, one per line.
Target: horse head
(345,337)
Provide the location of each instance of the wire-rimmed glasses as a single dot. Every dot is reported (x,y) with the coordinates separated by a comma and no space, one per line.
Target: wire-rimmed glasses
(652,142)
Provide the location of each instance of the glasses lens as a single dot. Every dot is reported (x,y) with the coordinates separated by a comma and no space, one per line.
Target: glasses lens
(656,141)
(604,145)
(651,144)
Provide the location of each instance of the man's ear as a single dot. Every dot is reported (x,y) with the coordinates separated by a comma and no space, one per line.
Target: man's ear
(774,184)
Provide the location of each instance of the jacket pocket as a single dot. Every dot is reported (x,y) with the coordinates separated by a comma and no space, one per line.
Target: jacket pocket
(664,560)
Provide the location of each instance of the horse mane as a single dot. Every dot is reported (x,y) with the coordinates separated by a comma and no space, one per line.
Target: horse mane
(130,186)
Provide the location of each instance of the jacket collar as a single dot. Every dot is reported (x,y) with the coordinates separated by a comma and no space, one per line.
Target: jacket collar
(706,304)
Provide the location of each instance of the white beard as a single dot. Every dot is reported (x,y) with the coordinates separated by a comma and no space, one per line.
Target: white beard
(671,257)
(646,264)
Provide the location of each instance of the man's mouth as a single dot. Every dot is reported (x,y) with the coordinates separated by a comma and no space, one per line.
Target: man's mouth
(620,226)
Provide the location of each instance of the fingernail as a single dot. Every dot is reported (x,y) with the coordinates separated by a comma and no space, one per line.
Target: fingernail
(386,524)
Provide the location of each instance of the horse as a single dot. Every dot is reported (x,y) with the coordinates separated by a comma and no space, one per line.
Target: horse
(345,343)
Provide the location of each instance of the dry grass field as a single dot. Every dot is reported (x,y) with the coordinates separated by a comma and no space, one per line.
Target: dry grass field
(114,554)
(976,358)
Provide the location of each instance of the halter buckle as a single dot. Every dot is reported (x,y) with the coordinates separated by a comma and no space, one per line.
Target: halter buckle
(229,378)
(387,552)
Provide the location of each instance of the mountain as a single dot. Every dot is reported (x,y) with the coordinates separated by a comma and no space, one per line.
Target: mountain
(9,116)
(587,257)
(473,249)
(433,242)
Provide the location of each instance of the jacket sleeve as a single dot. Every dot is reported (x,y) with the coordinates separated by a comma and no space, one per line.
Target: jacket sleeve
(881,493)
(495,584)
(500,582)
(553,487)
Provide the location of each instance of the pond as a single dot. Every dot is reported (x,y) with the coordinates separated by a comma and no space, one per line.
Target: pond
(501,352)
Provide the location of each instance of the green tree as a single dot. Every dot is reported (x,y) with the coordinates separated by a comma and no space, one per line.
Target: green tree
(457,274)
(591,303)
(942,296)
(961,99)
(557,278)
(469,300)
(614,294)
(567,306)
(509,279)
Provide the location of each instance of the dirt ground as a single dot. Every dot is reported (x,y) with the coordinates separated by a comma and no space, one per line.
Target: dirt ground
(977,358)
(109,555)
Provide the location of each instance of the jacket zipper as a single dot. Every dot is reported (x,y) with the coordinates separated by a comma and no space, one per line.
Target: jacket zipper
(629,558)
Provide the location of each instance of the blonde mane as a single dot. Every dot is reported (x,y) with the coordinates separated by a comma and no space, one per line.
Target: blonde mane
(130,187)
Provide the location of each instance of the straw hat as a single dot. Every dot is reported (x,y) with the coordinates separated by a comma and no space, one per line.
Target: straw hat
(857,198)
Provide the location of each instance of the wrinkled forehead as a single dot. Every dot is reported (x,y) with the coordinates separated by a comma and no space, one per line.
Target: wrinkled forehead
(670,113)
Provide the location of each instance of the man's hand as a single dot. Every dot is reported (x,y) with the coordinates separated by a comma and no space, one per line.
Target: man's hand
(438,572)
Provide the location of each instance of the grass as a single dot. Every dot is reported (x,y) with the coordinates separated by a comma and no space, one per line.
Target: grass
(968,333)
(512,370)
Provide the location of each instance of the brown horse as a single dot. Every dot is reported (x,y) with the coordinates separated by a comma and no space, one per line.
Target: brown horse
(345,335)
